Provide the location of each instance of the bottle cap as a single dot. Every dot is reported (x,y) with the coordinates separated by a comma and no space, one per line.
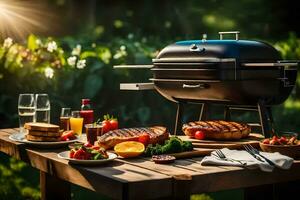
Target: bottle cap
(85,101)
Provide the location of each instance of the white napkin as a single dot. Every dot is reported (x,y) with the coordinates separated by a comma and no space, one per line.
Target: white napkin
(280,161)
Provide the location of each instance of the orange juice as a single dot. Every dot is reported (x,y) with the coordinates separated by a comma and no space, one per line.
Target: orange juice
(76,125)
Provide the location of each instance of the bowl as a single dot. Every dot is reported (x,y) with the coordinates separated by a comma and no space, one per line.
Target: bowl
(288,150)
(292,151)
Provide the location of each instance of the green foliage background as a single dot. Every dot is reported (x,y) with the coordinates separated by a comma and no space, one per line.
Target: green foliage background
(127,32)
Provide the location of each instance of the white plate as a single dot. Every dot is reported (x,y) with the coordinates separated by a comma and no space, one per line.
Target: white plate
(65,155)
(20,137)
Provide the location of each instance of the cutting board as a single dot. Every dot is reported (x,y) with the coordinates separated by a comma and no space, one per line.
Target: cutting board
(205,147)
(253,139)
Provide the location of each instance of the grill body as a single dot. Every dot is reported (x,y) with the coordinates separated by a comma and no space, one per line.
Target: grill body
(225,71)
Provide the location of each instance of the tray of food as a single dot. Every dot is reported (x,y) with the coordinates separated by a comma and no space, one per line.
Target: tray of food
(220,134)
(286,144)
(44,135)
(87,155)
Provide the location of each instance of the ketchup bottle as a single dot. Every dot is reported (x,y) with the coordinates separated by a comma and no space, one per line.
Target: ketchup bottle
(87,113)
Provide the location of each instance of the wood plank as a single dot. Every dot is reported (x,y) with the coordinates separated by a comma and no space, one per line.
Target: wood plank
(253,139)
(197,152)
(10,147)
(116,180)
(125,179)
(216,178)
(172,169)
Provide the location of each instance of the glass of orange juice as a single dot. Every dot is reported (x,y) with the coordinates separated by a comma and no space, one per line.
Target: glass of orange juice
(76,123)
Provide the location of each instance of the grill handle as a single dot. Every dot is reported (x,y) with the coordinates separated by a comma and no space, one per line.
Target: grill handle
(237,33)
(195,86)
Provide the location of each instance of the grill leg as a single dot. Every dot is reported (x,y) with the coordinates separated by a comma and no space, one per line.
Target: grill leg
(178,120)
(203,112)
(227,115)
(264,119)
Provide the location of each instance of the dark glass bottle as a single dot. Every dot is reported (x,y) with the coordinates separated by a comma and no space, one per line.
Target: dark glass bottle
(87,113)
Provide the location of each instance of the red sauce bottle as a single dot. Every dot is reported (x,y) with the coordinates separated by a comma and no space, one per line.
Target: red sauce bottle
(87,113)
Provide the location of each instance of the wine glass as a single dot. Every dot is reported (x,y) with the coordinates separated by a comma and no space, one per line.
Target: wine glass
(26,109)
(42,106)
(65,119)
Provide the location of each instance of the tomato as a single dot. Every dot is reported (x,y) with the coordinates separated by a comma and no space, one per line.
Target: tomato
(266,141)
(88,144)
(200,135)
(283,140)
(145,139)
(96,147)
(79,154)
(72,152)
(274,140)
(67,135)
(106,126)
(114,124)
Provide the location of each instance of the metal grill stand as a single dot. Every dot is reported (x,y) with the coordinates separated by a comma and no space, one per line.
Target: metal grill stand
(264,111)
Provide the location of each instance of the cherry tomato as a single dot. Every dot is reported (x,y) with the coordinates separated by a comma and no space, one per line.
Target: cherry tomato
(113,124)
(200,135)
(88,144)
(72,152)
(79,154)
(67,135)
(145,139)
(283,140)
(106,126)
(274,141)
(96,147)
(266,141)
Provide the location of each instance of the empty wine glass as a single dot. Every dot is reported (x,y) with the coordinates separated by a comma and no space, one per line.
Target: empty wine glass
(42,106)
(26,109)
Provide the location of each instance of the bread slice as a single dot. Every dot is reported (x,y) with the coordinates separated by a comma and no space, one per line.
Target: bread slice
(42,139)
(38,126)
(45,133)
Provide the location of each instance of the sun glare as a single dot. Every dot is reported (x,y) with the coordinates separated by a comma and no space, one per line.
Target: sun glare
(19,18)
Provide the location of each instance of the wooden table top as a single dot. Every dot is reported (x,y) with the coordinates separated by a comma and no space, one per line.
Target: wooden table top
(141,178)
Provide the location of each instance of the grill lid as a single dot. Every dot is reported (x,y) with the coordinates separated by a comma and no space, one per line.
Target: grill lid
(201,51)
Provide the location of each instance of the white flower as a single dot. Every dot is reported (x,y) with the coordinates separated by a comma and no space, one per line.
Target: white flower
(49,72)
(130,36)
(7,42)
(76,51)
(120,53)
(123,48)
(38,42)
(81,64)
(72,61)
(52,46)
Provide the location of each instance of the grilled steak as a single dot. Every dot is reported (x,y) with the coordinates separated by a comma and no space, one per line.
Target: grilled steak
(218,130)
(158,134)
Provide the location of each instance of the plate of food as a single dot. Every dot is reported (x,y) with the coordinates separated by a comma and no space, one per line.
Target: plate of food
(44,135)
(287,144)
(87,155)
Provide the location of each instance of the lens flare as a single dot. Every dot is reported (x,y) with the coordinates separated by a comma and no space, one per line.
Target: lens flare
(19,18)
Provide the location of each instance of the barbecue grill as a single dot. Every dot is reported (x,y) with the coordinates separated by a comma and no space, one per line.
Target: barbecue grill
(241,74)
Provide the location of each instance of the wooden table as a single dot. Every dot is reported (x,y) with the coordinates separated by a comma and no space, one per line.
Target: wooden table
(142,179)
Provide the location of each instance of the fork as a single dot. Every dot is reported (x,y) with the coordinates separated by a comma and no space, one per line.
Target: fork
(222,156)
(256,154)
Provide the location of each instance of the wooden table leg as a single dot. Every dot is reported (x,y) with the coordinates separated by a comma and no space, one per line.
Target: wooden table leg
(54,188)
(181,187)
